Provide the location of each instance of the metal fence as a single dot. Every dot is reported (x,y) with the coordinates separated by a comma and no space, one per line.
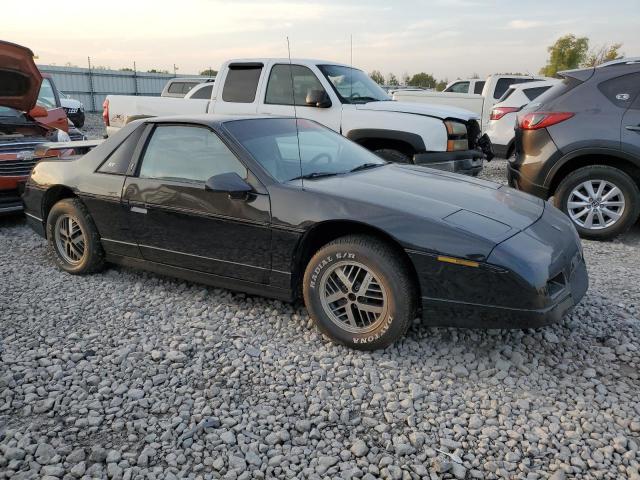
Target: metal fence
(91,86)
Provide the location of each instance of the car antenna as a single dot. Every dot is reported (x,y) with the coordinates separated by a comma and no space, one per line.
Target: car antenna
(295,110)
(351,65)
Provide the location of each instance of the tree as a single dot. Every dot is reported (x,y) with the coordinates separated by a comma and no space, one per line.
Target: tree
(424,80)
(377,77)
(126,69)
(568,52)
(392,80)
(155,70)
(405,78)
(603,54)
(209,72)
(441,85)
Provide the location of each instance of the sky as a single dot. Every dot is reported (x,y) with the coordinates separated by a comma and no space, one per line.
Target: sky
(447,38)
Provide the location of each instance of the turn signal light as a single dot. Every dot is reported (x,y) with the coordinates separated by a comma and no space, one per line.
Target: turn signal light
(499,112)
(537,120)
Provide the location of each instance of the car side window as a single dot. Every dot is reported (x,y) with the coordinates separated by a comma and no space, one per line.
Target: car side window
(117,163)
(241,83)
(176,87)
(501,86)
(46,97)
(477,89)
(621,91)
(279,85)
(187,153)
(203,93)
(535,92)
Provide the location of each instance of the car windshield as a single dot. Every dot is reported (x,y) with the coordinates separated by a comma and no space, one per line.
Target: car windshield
(353,85)
(273,143)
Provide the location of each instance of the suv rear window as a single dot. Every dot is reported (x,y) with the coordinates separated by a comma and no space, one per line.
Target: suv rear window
(503,83)
(567,84)
(621,91)
(241,83)
(535,92)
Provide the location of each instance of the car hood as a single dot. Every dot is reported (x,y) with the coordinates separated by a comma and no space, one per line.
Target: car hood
(487,209)
(439,111)
(20,79)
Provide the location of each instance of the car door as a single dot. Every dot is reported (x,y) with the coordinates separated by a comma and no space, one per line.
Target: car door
(631,119)
(278,98)
(178,222)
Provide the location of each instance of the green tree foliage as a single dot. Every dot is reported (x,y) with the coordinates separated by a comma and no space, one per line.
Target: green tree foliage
(126,69)
(424,80)
(441,85)
(377,77)
(155,70)
(568,52)
(603,54)
(209,72)
(392,80)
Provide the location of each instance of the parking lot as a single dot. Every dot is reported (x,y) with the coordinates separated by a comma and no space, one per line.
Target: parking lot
(127,374)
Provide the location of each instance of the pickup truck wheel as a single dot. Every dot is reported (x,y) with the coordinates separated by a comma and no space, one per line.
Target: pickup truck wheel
(603,202)
(394,156)
(73,238)
(359,293)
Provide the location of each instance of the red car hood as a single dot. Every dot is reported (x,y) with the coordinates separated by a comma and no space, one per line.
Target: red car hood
(20,79)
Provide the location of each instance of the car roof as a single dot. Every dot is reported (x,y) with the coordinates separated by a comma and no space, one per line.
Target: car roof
(302,61)
(208,119)
(537,83)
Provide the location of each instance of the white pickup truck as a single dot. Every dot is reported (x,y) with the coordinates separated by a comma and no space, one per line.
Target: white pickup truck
(343,98)
(494,87)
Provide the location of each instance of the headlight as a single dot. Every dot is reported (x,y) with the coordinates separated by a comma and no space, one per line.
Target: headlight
(456,136)
(63,136)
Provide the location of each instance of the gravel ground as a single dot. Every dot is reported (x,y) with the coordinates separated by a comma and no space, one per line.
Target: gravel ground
(132,375)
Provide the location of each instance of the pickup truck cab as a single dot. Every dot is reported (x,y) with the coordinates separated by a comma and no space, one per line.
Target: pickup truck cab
(468,85)
(494,87)
(338,96)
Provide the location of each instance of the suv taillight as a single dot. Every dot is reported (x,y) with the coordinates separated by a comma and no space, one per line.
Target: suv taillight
(537,120)
(105,112)
(499,112)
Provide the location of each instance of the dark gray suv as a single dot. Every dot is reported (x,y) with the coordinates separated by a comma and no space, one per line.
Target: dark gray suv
(579,142)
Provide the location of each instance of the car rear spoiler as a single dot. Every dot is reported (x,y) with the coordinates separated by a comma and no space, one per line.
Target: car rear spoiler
(582,74)
(52,149)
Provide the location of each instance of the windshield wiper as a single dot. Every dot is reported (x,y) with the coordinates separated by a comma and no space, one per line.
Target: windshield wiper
(313,175)
(366,166)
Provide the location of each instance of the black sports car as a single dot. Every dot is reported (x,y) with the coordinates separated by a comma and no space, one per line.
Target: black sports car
(287,208)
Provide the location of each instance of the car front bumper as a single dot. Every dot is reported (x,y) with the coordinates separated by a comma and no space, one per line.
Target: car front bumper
(10,202)
(530,280)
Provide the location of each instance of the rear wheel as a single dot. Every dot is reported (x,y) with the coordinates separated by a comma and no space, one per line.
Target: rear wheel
(391,155)
(359,293)
(603,202)
(73,238)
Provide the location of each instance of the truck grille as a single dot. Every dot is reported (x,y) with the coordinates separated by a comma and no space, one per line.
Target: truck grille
(16,168)
(15,147)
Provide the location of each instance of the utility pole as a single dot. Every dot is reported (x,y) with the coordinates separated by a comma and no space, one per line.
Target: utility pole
(135,79)
(93,97)
(175,69)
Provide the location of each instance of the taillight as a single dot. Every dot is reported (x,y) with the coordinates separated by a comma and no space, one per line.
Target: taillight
(499,112)
(537,120)
(105,112)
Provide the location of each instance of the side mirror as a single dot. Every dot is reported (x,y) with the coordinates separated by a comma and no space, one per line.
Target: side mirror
(38,112)
(317,98)
(230,183)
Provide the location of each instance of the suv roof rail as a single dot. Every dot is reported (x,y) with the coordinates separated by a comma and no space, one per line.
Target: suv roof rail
(621,61)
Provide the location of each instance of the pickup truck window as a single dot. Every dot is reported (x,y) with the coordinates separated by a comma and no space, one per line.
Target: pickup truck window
(279,86)
(477,89)
(241,84)
(503,83)
(203,93)
(459,87)
(353,85)
(187,153)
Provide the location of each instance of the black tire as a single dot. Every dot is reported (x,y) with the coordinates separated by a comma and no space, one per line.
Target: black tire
(92,258)
(389,271)
(616,177)
(394,156)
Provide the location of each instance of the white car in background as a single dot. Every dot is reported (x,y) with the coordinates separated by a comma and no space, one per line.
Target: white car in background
(502,119)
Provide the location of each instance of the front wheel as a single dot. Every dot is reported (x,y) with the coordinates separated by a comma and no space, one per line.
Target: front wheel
(603,202)
(359,292)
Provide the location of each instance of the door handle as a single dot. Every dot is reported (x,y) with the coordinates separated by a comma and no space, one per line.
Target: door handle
(138,210)
(633,128)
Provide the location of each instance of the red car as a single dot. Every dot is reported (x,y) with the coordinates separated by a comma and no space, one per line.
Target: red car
(23,124)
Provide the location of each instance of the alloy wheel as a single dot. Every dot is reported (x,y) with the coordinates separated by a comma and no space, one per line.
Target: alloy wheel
(596,204)
(353,297)
(70,239)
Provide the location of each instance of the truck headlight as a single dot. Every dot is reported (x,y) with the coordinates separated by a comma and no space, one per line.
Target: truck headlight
(456,136)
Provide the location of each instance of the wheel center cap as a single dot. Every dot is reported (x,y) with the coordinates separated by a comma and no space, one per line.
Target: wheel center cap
(352,297)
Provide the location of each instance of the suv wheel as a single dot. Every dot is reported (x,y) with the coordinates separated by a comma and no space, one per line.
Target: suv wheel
(359,292)
(603,202)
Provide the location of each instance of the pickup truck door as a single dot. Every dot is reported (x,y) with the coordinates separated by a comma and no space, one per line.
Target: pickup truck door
(277,98)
